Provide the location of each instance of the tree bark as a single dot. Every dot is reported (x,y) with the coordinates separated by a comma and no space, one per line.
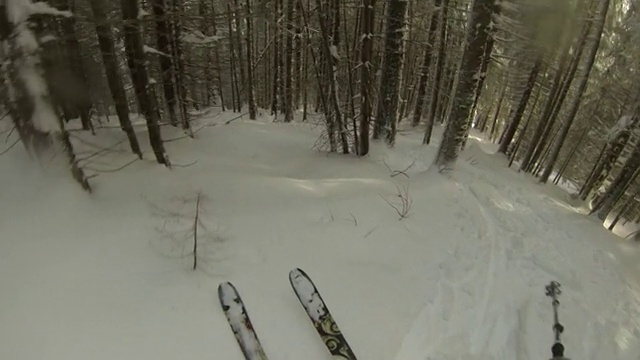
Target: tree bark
(584,80)
(437,75)
(166,62)
(110,61)
(514,122)
(388,93)
(147,102)
(474,51)
(366,48)
(426,64)
(250,86)
(288,66)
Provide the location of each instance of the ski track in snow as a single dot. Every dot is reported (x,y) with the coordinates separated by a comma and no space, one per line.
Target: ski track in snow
(502,326)
(496,268)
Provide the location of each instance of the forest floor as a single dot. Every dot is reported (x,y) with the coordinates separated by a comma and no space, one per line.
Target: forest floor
(462,276)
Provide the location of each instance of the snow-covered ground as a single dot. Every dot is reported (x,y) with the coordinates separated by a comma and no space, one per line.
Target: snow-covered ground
(107,275)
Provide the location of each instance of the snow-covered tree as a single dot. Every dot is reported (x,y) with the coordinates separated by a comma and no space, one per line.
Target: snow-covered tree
(40,127)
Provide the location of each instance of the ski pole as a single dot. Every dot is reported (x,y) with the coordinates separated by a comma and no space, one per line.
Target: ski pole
(553,291)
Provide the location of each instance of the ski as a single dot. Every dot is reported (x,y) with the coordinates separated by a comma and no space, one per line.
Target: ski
(240,322)
(320,315)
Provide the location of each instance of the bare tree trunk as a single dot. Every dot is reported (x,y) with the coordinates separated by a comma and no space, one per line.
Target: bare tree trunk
(474,51)
(250,85)
(514,122)
(514,151)
(605,203)
(584,79)
(276,57)
(240,56)
(107,50)
(136,62)
(494,122)
(216,54)
(554,103)
(329,42)
(388,93)
(166,62)
(288,67)
(82,103)
(235,92)
(573,151)
(299,51)
(437,73)
(610,154)
(407,78)
(366,43)
(426,63)
(180,72)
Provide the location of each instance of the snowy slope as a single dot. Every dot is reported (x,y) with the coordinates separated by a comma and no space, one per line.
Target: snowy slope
(108,275)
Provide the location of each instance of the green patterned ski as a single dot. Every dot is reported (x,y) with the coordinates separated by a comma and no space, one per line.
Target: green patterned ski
(240,323)
(320,316)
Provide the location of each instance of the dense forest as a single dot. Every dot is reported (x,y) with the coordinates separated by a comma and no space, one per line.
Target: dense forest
(553,82)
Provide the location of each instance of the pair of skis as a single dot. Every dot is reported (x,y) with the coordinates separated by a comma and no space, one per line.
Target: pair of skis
(313,304)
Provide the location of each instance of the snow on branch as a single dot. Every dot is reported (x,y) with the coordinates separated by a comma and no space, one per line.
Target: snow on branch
(623,124)
(19,11)
(44,117)
(142,13)
(197,37)
(150,50)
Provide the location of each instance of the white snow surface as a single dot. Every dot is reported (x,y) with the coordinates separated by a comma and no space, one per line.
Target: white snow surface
(107,275)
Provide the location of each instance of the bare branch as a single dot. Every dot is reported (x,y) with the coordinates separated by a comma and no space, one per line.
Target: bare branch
(403,202)
(9,148)
(395,173)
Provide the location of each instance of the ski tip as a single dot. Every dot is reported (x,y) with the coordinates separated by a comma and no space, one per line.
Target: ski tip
(297,272)
(226,286)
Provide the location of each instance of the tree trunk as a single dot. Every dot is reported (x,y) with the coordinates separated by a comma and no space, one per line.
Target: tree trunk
(605,203)
(366,24)
(474,51)
(82,102)
(250,85)
(216,54)
(584,79)
(180,72)
(437,73)
(288,66)
(388,94)
(329,42)
(603,168)
(514,122)
(114,78)
(426,64)
(555,102)
(276,57)
(240,55)
(136,61)
(166,62)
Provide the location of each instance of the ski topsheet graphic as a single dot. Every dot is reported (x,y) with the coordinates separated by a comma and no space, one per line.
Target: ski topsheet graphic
(320,316)
(240,322)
